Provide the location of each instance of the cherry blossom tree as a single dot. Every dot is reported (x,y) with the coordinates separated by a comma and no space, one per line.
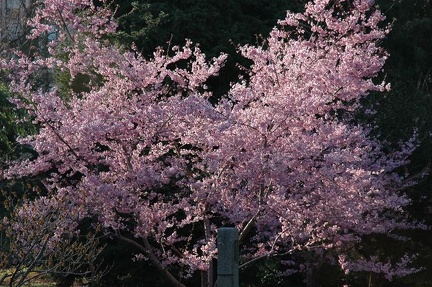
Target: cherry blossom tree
(159,166)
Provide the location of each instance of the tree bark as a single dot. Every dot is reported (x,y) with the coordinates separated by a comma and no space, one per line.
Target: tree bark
(146,248)
(310,277)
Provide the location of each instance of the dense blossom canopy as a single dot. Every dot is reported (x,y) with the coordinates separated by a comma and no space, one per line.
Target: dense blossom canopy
(146,153)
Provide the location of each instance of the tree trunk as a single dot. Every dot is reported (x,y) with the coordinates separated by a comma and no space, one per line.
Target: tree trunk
(310,277)
(207,277)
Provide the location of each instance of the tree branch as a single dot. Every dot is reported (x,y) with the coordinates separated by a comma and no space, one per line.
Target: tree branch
(146,248)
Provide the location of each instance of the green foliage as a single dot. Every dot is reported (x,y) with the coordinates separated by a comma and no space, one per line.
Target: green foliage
(137,22)
(214,24)
(406,110)
(408,69)
(13,123)
(9,128)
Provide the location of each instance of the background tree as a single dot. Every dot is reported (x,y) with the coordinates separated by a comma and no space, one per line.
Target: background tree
(218,27)
(406,109)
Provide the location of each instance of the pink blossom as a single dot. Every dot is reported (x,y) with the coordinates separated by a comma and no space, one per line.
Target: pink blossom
(144,150)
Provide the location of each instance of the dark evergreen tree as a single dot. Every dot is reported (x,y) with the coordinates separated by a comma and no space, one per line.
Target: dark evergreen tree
(217,26)
(405,111)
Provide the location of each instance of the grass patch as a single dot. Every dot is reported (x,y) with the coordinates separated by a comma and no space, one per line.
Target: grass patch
(41,281)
